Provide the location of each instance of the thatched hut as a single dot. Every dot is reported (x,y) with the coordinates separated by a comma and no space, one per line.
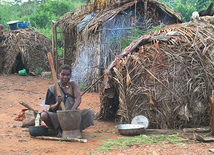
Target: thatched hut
(166,76)
(92,34)
(24,49)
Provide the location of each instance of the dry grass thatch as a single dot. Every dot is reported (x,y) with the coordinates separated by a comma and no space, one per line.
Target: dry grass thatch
(167,76)
(97,28)
(25,48)
(71,19)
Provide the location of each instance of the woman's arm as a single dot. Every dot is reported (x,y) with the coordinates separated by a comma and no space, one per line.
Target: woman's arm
(51,100)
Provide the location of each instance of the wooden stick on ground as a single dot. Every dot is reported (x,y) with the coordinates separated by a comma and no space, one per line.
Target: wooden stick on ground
(57,138)
(27,106)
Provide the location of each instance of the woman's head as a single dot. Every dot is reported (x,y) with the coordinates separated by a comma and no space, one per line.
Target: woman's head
(65,74)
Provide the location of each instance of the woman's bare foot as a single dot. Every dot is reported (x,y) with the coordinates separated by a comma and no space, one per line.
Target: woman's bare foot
(59,133)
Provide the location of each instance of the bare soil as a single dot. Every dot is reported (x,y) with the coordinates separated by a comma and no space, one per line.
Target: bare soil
(16,140)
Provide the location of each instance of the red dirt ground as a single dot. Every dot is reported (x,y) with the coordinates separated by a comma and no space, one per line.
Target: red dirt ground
(16,140)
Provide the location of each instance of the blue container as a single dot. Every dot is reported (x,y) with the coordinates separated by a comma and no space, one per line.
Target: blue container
(23,25)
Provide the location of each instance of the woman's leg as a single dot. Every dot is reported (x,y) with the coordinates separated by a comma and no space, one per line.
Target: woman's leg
(87,118)
(45,117)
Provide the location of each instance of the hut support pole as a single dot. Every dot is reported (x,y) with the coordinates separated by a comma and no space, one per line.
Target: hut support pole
(54,44)
(145,9)
(212,113)
(53,34)
(56,51)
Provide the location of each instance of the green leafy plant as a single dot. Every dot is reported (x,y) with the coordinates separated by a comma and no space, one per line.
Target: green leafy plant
(133,35)
(83,86)
(139,140)
(186,7)
(38,70)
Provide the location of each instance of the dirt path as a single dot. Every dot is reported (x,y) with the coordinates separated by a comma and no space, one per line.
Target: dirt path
(16,140)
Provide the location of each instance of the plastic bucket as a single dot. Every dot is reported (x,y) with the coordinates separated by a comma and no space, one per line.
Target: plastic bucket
(23,72)
(13,25)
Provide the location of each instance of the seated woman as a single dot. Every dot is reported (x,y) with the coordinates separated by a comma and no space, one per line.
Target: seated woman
(70,95)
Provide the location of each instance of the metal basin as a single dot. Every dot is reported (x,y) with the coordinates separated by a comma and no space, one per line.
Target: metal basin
(130,129)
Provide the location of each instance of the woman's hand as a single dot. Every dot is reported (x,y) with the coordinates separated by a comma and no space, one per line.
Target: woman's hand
(59,99)
(55,106)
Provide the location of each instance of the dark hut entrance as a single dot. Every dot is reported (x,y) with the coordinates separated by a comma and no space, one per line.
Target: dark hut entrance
(110,105)
(18,64)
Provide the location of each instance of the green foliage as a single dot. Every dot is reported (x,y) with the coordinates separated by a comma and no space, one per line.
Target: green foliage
(45,31)
(25,9)
(46,12)
(139,140)
(39,18)
(83,86)
(56,8)
(186,7)
(60,51)
(133,35)
(201,4)
(38,70)
(185,10)
(8,13)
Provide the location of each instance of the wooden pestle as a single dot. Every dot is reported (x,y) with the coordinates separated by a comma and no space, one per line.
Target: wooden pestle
(50,59)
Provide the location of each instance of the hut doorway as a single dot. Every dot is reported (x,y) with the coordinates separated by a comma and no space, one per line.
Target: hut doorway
(18,65)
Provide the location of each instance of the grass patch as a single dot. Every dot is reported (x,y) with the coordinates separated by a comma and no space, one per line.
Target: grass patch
(139,140)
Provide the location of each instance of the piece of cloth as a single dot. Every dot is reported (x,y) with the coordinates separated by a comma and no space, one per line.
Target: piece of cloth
(29,118)
(87,115)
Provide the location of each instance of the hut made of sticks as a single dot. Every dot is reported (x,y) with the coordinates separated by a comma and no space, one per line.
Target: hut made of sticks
(24,49)
(91,34)
(166,76)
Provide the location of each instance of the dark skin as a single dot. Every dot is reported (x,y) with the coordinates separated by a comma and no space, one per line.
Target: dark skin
(64,76)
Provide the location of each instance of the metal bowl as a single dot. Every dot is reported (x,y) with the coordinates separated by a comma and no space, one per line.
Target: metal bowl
(130,129)
(38,130)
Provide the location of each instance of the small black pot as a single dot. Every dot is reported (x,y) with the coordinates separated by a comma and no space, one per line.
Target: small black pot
(38,131)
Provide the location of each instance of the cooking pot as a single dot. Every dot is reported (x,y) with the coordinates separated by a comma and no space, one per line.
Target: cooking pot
(130,129)
(38,130)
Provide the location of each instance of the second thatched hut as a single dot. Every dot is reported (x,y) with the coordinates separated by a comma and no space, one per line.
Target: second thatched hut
(94,34)
(167,76)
